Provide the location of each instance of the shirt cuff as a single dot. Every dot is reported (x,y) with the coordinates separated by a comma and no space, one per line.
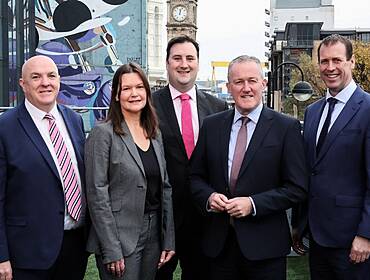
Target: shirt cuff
(254,212)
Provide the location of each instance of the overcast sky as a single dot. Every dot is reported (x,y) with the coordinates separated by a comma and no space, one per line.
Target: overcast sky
(226,31)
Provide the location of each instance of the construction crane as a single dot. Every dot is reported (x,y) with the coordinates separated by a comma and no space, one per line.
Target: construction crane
(215,64)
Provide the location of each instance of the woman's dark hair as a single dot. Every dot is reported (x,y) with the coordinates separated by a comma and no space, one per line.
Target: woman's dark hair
(148,118)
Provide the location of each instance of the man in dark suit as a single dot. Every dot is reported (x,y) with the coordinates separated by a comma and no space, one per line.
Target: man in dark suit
(337,145)
(182,67)
(41,167)
(247,169)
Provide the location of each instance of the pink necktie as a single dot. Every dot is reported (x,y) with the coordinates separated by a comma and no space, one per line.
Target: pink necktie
(186,124)
(241,144)
(72,192)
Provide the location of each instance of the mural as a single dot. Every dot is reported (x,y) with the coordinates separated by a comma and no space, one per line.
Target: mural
(88,40)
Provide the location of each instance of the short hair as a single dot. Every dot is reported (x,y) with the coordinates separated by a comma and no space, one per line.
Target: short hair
(180,40)
(334,39)
(241,59)
(148,118)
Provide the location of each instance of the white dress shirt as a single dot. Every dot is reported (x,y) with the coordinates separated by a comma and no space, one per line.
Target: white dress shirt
(175,95)
(42,125)
(342,98)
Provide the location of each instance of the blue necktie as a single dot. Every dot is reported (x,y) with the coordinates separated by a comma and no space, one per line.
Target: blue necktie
(324,131)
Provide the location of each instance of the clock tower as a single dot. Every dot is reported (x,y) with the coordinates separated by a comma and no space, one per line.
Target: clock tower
(181,18)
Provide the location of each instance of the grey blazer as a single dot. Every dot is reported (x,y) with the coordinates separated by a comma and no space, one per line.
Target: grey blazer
(116,188)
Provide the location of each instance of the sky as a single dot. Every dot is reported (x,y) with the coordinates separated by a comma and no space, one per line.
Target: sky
(227,31)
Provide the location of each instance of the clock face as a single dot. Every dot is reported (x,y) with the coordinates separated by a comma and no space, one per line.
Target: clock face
(179,13)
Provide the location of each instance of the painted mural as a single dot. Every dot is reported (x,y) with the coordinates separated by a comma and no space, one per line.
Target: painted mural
(88,40)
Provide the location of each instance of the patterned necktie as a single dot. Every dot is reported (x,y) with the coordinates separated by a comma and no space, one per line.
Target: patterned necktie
(72,191)
(240,147)
(187,124)
(324,131)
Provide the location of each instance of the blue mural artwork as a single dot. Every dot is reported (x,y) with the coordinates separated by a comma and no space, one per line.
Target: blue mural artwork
(89,40)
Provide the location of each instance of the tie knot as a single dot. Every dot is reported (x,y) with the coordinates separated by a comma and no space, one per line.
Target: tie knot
(244,120)
(332,101)
(49,116)
(184,96)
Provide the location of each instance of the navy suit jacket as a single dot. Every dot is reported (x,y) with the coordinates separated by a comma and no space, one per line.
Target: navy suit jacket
(273,173)
(339,190)
(31,193)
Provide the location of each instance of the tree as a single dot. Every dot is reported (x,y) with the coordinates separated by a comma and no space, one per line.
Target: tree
(361,73)
(311,74)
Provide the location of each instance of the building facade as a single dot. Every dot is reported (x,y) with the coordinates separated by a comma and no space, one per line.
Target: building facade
(283,11)
(156,10)
(17,43)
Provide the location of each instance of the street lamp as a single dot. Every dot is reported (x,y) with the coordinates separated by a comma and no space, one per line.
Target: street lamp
(302,91)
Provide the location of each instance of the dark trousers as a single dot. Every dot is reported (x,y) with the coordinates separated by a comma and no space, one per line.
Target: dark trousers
(334,264)
(194,264)
(70,264)
(232,265)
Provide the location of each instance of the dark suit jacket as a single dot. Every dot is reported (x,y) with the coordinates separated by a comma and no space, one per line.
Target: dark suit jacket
(176,158)
(339,190)
(31,193)
(273,173)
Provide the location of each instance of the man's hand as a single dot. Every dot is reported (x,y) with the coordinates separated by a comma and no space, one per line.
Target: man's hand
(5,271)
(217,202)
(239,207)
(116,268)
(165,257)
(297,243)
(360,250)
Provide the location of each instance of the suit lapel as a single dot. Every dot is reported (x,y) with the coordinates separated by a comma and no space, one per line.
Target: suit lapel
(35,136)
(224,132)
(312,127)
(202,106)
(157,150)
(167,107)
(131,147)
(72,134)
(263,126)
(349,110)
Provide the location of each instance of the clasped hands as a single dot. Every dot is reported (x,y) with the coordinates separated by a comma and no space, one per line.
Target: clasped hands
(236,207)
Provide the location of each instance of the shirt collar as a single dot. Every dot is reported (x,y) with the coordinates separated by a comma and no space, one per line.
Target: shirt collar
(175,93)
(252,116)
(38,114)
(345,94)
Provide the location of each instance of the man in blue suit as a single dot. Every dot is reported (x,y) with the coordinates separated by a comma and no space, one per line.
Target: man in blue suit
(337,145)
(42,205)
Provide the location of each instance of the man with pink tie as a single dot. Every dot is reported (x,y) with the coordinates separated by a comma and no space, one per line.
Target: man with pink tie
(42,204)
(181,108)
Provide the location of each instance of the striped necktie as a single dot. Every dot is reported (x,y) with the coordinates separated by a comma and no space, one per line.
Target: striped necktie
(72,191)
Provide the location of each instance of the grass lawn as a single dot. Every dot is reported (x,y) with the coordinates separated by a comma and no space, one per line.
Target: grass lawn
(297,269)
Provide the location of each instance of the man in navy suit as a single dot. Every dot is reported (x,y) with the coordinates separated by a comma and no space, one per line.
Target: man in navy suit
(248,167)
(337,145)
(41,236)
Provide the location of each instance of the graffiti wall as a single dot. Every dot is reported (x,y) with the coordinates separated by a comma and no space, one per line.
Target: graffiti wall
(88,40)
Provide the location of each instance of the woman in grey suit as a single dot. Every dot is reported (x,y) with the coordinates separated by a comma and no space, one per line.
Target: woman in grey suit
(128,193)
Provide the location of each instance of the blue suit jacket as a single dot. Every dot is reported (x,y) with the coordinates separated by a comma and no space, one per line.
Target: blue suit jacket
(31,194)
(339,190)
